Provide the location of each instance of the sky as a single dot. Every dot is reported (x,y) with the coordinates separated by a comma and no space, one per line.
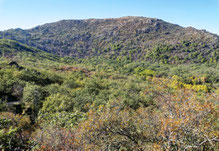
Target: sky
(201,14)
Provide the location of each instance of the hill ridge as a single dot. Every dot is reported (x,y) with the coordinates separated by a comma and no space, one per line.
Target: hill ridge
(130,37)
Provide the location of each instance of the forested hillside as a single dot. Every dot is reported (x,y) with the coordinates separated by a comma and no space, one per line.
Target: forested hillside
(14,50)
(132,38)
(130,83)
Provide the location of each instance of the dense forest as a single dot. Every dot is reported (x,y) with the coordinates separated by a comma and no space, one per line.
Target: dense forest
(131,83)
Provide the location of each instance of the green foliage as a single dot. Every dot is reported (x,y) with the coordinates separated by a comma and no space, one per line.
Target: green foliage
(11,48)
(14,131)
(38,78)
(119,100)
(62,119)
(33,96)
(57,103)
(7,137)
(144,72)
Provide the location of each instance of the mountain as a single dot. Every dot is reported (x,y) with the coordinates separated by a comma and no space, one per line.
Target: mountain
(144,83)
(132,38)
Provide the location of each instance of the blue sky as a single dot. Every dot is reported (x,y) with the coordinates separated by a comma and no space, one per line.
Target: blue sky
(201,14)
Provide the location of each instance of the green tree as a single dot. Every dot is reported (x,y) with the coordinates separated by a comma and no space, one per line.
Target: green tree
(33,95)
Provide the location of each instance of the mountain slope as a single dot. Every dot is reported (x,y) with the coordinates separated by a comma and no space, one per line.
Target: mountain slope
(131,38)
(12,49)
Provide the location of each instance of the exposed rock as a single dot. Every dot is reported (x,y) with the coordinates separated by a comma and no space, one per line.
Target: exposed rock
(13,63)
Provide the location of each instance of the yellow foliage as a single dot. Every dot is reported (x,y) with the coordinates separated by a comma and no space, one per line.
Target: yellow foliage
(177,84)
